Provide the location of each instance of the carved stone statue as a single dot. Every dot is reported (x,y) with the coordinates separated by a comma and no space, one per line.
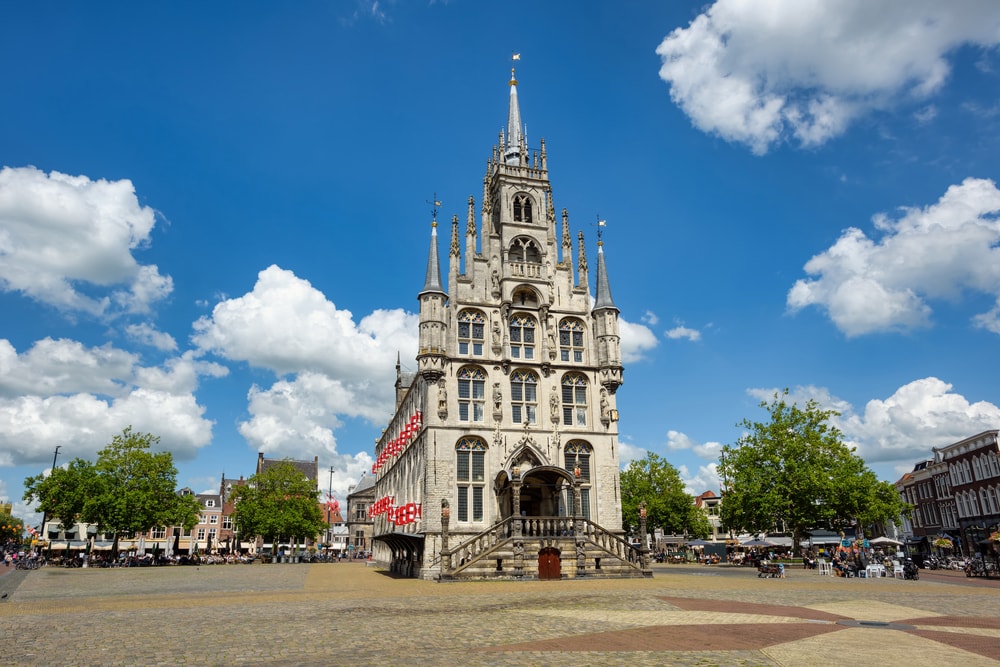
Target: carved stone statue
(554,405)
(605,407)
(442,399)
(497,334)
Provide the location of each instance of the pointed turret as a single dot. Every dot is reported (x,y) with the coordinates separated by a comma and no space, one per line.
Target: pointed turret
(431,354)
(603,298)
(432,280)
(515,140)
(605,314)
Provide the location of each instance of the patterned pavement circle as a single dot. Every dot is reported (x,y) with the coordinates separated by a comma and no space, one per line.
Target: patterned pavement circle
(349,614)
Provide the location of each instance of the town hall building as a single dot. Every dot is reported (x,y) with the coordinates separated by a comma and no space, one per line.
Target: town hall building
(502,457)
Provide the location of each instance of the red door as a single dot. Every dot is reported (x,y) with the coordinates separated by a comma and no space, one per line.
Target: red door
(548,563)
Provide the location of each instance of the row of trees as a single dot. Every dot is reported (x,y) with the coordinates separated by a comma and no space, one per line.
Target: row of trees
(130,489)
(792,472)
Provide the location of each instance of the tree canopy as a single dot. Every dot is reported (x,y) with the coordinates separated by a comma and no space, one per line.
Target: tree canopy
(794,472)
(657,483)
(279,502)
(129,489)
(11,529)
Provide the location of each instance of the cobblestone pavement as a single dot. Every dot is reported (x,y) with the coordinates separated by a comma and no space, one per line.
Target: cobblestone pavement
(349,614)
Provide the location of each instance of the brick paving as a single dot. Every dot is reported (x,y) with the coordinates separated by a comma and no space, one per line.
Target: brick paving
(349,614)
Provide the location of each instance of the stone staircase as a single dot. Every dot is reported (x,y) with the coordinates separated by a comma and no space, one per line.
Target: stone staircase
(511,549)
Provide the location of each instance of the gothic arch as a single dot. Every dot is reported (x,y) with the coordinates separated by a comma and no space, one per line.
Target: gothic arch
(524,249)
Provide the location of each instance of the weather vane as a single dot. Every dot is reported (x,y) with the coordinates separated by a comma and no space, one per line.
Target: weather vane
(601,224)
(434,206)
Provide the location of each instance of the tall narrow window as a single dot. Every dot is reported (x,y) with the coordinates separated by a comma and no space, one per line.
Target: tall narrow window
(522,337)
(470,475)
(574,400)
(471,332)
(571,340)
(471,395)
(524,397)
(522,208)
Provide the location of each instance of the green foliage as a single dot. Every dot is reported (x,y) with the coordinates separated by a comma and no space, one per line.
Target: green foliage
(11,529)
(795,471)
(128,490)
(65,493)
(280,502)
(657,483)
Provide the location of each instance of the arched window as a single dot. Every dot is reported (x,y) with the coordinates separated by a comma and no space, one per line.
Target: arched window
(470,476)
(574,400)
(471,332)
(522,337)
(578,455)
(524,249)
(522,208)
(524,397)
(571,340)
(471,394)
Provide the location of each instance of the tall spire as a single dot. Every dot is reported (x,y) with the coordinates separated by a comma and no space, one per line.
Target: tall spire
(512,154)
(603,298)
(432,282)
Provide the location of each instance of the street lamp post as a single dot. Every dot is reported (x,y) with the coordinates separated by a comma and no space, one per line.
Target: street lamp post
(41,528)
(329,514)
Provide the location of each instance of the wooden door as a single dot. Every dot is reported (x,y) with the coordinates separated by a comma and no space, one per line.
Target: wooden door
(548,563)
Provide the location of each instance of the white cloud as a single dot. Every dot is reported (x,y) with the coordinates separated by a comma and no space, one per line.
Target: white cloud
(705,479)
(938,252)
(147,334)
(67,241)
(62,393)
(337,368)
(902,428)
(288,326)
(760,72)
(677,441)
(650,318)
(683,332)
(636,340)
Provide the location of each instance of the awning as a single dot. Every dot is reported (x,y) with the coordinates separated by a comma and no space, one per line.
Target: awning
(410,542)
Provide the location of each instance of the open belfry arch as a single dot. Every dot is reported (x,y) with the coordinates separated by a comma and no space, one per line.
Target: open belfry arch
(502,457)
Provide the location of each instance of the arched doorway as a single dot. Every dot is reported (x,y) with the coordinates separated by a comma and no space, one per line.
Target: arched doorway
(549,564)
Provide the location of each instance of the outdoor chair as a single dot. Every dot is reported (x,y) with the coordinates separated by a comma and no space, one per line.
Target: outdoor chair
(897,570)
(822,567)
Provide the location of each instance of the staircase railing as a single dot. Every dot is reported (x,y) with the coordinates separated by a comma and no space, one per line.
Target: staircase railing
(477,547)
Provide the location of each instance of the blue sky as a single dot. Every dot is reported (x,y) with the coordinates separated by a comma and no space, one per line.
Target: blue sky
(214,217)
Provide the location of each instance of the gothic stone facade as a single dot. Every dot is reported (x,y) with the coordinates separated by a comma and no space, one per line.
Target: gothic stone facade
(504,445)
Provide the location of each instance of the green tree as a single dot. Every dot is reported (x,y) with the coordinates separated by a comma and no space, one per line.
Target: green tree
(279,502)
(65,492)
(657,483)
(11,529)
(128,490)
(794,471)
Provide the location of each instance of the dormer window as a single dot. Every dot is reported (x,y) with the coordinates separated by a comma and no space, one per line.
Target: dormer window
(522,208)
(209,503)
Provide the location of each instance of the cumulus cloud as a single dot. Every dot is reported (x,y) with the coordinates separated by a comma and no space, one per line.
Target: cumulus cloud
(636,339)
(759,73)
(147,334)
(67,241)
(705,478)
(335,367)
(939,252)
(684,332)
(61,392)
(902,428)
(677,441)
